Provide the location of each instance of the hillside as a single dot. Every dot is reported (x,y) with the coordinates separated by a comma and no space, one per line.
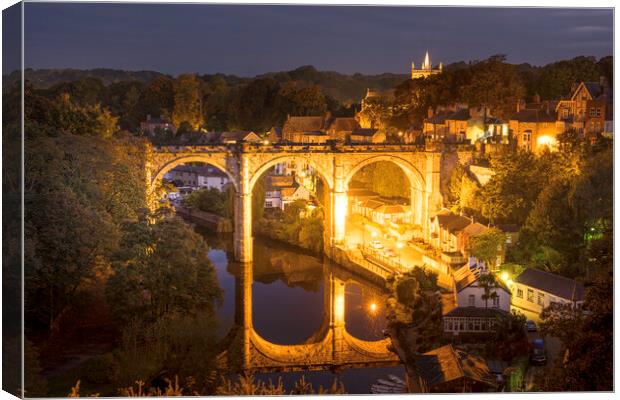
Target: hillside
(45,78)
(345,88)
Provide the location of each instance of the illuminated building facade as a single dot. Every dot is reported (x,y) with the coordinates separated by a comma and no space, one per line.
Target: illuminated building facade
(426,69)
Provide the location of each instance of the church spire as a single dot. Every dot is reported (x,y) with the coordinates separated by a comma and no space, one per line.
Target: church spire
(427,62)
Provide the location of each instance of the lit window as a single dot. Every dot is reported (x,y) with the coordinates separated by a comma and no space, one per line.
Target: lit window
(541,299)
(520,293)
(530,295)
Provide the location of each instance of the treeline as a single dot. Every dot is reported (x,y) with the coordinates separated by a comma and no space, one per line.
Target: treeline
(225,102)
(193,102)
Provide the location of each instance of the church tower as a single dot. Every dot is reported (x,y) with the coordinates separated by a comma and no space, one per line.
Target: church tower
(426,69)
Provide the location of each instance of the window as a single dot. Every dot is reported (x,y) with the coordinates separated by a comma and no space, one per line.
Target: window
(472,300)
(268,204)
(565,113)
(527,140)
(592,111)
(598,112)
(530,295)
(541,299)
(520,293)
(496,302)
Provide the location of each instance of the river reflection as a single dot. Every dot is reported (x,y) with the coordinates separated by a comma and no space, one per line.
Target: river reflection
(290,305)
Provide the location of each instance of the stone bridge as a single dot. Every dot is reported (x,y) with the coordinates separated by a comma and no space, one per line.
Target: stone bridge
(336,164)
(330,347)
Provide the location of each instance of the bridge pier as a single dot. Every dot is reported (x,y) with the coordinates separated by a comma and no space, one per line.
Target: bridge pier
(243,228)
(243,215)
(338,216)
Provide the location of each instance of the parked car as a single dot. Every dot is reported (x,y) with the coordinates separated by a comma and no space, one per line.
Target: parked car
(530,326)
(376,244)
(389,253)
(539,353)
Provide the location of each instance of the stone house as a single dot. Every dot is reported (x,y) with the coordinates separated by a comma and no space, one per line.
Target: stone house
(152,124)
(534,129)
(367,135)
(239,136)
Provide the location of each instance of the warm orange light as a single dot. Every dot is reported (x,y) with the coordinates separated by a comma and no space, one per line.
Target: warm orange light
(373,307)
(547,141)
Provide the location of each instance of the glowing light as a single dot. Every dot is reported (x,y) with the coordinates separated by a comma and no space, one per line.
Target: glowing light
(399,245)
(373,307)
(400,133)
(504,276)
(265,142)
(546,141)
(510,282)
(373,234)
(339,307)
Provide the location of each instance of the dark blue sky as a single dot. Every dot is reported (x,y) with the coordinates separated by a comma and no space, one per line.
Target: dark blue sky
(248,40)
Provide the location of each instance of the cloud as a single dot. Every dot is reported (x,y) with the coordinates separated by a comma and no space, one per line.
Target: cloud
(591,28)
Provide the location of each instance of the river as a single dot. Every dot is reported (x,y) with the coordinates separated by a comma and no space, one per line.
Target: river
(287,306)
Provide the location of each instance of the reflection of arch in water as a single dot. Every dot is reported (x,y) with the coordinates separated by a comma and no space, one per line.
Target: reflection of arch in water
(330,347)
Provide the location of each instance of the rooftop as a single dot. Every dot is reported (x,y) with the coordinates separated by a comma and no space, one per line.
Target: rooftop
(446,364)
(533,116)
(556,285)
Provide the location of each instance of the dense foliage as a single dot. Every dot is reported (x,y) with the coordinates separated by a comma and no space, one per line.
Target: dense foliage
(87,228)
(297,225)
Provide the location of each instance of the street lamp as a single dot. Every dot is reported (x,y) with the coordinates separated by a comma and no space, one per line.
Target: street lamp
(399,246)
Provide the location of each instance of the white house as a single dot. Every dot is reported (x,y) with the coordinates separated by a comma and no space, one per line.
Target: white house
(534,290)
(203,177)
(471,320)
(291,194)
(469,293)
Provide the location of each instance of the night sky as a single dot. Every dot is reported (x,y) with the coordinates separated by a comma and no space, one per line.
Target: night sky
(249,40)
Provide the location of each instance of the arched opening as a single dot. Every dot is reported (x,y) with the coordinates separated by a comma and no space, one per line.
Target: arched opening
(291,203)
(198,187)
(386,210)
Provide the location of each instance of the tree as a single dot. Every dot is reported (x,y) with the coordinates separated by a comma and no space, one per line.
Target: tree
(489,285)
(487,245)
(587,337)
(77,191)
(296,99)
(513,188)
(187,102)
(162,268)
(254,105)
(495,84)
(414,315)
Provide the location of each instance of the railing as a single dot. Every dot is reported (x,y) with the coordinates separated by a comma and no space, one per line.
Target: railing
(375,255)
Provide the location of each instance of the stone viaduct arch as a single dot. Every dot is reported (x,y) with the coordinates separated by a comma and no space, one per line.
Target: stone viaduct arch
(336,164)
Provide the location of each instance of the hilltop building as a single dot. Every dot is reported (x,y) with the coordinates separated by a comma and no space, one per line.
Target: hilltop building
(426,69)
